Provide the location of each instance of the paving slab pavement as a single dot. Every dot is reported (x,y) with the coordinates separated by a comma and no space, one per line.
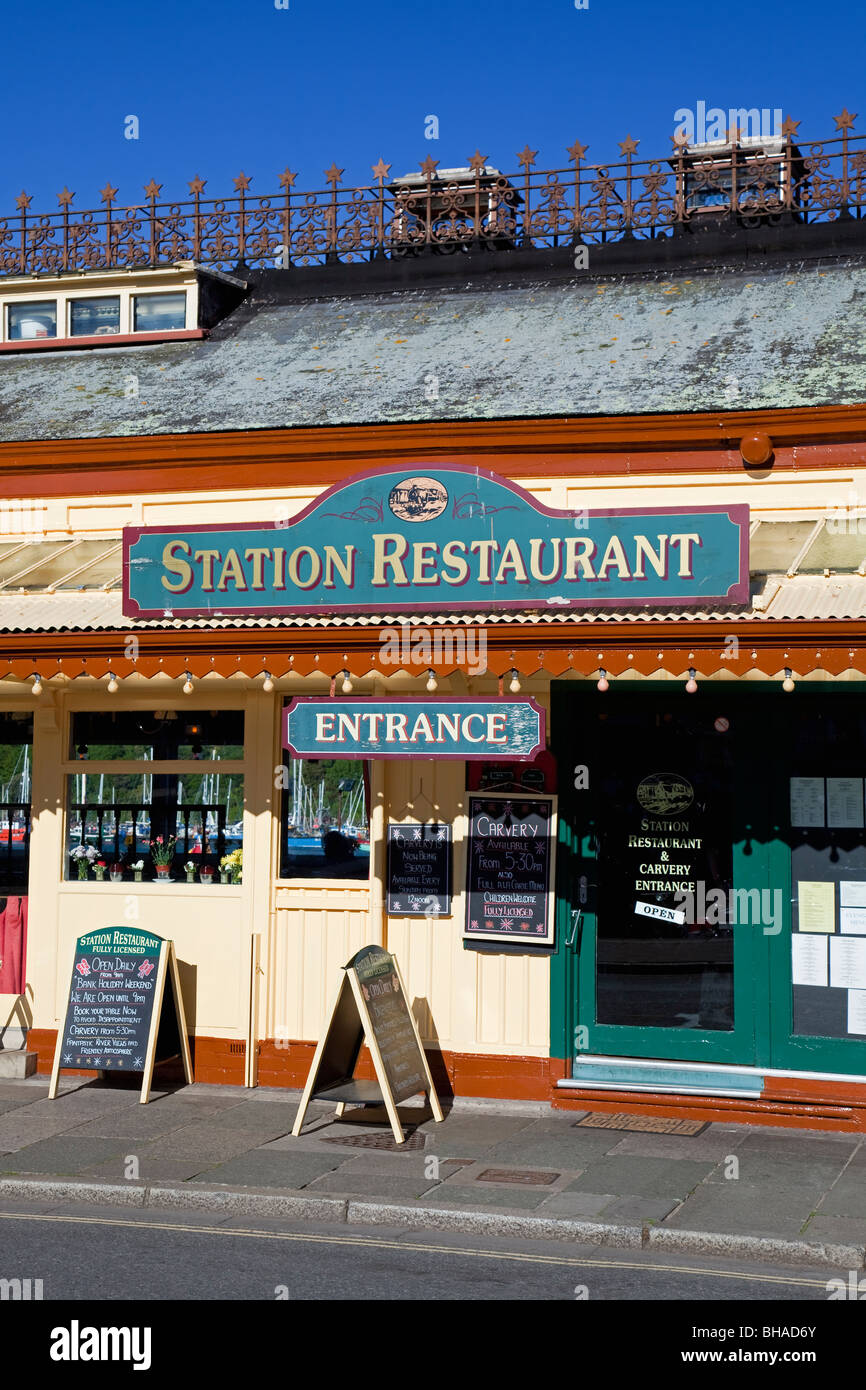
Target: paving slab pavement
(227,1150)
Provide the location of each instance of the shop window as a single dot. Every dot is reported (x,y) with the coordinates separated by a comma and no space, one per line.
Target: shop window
(116,820)
(16,758)
(94,316)
(158,313)
(34,320)
(201,735)
(324,819)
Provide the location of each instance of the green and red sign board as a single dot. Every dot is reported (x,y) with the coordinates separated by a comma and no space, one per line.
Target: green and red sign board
(478,728)
(438,538)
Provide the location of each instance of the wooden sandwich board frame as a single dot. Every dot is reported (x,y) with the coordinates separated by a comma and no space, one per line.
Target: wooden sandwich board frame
(167,963)
(349,1025)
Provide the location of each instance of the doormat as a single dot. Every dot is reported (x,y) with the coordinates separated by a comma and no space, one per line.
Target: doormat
(642,1124)
(527,1177)
(411,1143)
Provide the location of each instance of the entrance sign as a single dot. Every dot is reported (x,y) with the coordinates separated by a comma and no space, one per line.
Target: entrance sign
(509,868)
(480,726)
(419,870)
(439,538)
(370,1003)
(125,1009)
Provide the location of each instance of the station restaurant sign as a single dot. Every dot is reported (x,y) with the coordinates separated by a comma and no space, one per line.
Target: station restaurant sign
(478,727)
(436,538)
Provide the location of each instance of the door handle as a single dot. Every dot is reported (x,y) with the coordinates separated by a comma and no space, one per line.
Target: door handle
(576,914)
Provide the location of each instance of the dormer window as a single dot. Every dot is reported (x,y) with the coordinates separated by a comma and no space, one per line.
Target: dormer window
(113,308)
(94,316)
(158,313)
(31,320)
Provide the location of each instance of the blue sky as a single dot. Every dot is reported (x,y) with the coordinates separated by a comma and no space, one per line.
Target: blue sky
(224,85)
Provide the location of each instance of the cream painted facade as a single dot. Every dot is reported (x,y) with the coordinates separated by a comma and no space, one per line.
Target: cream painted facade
(262,960)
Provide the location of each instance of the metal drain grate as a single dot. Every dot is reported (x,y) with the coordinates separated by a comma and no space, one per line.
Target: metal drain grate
(526,1177)
(411,1144)
(642,1124)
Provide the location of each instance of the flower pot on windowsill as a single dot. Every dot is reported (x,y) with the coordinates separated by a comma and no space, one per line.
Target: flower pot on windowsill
(190,875)
(115,873)
(162,872)
(137,873)
(225,876)
(99,871)
(236,876)
(206,876)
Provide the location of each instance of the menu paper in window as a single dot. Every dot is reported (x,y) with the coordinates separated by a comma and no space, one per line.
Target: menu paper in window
(852,892)
(807,801)
(809,960)
(857,1011)
(816,904)
(853,920)
(845,803)
(847,963)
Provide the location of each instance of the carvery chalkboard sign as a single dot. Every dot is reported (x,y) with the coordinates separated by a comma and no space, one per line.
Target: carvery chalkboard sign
(509,869)
(125,1009)
(370,1003)
(419,870)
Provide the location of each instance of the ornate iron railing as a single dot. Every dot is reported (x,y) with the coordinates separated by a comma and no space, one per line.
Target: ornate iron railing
(815,181)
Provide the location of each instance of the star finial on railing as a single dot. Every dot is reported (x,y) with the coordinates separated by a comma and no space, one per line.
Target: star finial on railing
(197,185)
(477,161)
(628,146)
(846,120)
(380,170)
(65,198)
(789,127)
(242,182)
(429,166)
(679,140)
(526,157)
(153,189)
(108,194)
(287,178)
(576,151)
(23,201)
(732,135)
(333,175)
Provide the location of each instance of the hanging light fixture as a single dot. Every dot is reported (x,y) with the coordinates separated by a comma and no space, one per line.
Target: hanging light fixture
(187,685)
(603,683)
(432,683)
(788,682)
(37,684)
(347,686)
(514,683)
(691,683)
(268,682)
(112,684)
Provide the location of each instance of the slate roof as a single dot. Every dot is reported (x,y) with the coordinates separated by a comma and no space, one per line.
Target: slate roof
(745,338)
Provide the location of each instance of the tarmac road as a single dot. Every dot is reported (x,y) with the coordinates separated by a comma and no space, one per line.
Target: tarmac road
(100,1253)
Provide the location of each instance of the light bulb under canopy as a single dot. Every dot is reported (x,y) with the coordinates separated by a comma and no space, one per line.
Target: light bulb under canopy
(691,683)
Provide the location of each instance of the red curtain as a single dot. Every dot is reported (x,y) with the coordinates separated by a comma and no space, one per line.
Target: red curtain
(13,945)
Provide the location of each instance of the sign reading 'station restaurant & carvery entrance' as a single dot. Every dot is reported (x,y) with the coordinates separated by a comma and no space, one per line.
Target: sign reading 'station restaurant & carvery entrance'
(430,539)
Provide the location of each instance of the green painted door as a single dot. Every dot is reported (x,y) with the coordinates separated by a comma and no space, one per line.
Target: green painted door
(648,797)
(698,920)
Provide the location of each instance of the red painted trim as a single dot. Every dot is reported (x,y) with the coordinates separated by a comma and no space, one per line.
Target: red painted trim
(823,437)
(101,340)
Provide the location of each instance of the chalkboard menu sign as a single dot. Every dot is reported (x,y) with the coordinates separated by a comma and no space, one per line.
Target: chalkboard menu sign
(419,870)
(509,868)
(120,1016)
(370,1003)
(392,1025)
